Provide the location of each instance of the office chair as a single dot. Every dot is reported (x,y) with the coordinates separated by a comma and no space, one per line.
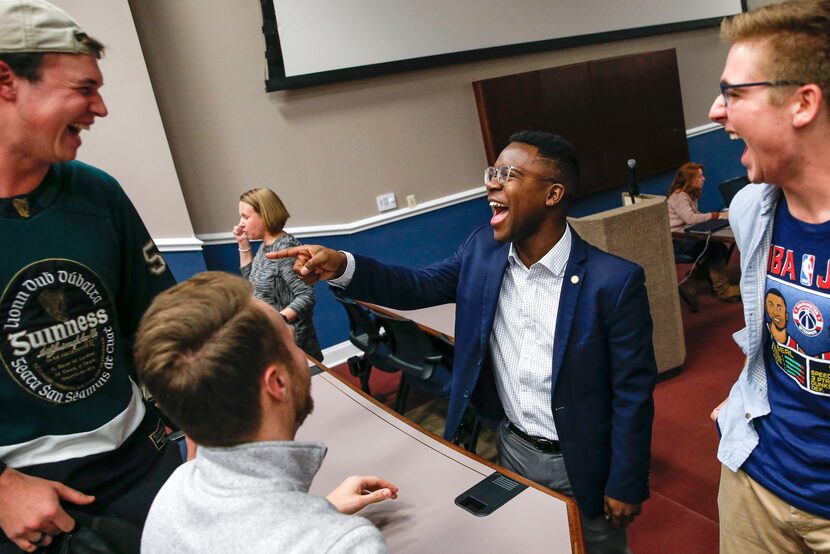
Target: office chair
(686,292)
(729,188)
(417,355)
(425,361)
(365,334)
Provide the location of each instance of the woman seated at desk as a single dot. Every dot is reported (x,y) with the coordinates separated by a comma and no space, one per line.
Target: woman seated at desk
(683,196)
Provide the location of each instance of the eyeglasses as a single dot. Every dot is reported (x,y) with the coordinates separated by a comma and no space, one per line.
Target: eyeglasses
(503,173)
(725,87)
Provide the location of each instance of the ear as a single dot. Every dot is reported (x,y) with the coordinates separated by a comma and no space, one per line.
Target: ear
(556,193)
(8,82)
(808,101)
(274,382)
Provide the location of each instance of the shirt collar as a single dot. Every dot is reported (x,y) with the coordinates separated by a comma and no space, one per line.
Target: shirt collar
(555,260)
(24,206)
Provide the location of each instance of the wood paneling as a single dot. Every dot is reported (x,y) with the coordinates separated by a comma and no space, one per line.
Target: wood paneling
(611,110)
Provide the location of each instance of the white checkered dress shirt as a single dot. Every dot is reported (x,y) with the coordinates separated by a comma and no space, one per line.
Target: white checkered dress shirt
(521,343)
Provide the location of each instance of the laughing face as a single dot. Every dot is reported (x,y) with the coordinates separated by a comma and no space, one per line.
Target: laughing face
(521,204)
(750,115)
(53,111)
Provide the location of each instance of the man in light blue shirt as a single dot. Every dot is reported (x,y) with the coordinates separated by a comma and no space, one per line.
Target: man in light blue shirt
(775,445)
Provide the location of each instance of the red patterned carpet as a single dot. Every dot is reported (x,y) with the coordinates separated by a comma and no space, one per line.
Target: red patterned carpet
(682,515)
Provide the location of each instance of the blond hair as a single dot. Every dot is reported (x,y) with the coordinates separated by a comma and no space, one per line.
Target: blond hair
(796,36)
(270,208)
(201,349)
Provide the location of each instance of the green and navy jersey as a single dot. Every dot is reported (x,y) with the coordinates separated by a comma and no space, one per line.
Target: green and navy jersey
(77,271)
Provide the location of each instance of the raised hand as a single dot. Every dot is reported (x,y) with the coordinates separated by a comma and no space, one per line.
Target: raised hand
(358,491)
(241,236)
(313,263)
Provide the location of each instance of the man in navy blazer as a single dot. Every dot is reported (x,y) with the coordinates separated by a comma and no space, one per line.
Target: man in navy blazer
(553,337)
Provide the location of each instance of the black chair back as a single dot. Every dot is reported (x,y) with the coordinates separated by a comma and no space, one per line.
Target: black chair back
(410,348)
(730,187)
(363,331)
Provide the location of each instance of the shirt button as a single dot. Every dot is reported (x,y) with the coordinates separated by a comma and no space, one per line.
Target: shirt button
(748,415)
(466,393)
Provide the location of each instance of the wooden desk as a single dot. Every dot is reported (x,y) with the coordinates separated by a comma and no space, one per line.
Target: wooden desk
(365,437)
(435,319)
(724,235)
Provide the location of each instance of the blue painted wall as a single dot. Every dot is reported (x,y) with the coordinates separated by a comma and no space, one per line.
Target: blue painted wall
(185,264)
(430,237)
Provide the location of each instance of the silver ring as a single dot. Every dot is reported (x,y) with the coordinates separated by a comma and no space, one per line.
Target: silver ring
(38,540)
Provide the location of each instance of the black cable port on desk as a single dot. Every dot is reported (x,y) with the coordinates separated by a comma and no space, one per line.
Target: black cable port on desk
(487,496)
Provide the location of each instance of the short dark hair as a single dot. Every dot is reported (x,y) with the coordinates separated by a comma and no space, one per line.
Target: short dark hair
(201,350)
(26,65)
(775,292)
(558,150)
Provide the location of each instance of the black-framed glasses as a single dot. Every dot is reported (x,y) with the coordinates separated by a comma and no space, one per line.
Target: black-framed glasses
(503,173)
(726,87)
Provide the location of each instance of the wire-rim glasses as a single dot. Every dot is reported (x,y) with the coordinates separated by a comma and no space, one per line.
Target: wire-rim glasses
(503,173)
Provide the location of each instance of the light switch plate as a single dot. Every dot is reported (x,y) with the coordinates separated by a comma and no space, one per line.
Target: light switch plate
(386,202)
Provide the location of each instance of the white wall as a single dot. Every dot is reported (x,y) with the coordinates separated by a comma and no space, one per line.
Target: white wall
(329,150)
(130,142)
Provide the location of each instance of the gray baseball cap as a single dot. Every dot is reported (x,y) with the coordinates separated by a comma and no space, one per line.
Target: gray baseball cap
(38,26)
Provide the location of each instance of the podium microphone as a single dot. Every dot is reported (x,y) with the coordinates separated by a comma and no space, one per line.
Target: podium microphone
(633,187)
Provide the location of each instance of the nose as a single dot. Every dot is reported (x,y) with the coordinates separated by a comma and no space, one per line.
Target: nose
(98,107)
(493,184)
(717,112)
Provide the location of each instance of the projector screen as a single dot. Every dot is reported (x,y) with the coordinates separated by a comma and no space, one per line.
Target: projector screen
(318,41)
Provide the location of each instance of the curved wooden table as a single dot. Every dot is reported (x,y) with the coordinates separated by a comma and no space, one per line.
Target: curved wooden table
(366,437)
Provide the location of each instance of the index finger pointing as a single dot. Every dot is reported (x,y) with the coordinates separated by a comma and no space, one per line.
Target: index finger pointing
(292,252)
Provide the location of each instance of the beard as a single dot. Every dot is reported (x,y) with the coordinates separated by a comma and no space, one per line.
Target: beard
(301,393)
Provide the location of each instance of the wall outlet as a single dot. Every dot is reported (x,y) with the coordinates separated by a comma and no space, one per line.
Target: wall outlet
(386,202)
(410,201)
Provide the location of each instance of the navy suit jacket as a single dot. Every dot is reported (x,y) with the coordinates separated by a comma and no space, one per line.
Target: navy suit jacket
(603,370)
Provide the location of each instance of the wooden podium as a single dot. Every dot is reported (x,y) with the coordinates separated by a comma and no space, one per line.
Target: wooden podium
(640,232)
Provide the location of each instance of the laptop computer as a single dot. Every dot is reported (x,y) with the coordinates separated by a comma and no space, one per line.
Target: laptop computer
(708,226)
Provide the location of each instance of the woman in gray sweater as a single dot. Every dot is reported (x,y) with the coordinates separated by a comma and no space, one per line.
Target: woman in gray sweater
(262,215)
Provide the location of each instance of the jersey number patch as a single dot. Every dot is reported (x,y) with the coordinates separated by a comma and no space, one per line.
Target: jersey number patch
(153,259)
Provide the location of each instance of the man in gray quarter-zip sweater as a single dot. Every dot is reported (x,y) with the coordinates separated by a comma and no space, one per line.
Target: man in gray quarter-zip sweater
(224,367)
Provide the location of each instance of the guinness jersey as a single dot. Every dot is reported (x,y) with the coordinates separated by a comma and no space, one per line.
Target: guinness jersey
(77,271)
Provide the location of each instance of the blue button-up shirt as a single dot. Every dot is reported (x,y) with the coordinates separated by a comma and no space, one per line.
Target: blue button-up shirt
(751,215)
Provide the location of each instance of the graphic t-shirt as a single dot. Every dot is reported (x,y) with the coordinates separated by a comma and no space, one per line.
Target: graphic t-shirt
(792,459)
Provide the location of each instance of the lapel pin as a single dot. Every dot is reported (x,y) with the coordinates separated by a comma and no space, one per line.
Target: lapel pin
(574,279)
